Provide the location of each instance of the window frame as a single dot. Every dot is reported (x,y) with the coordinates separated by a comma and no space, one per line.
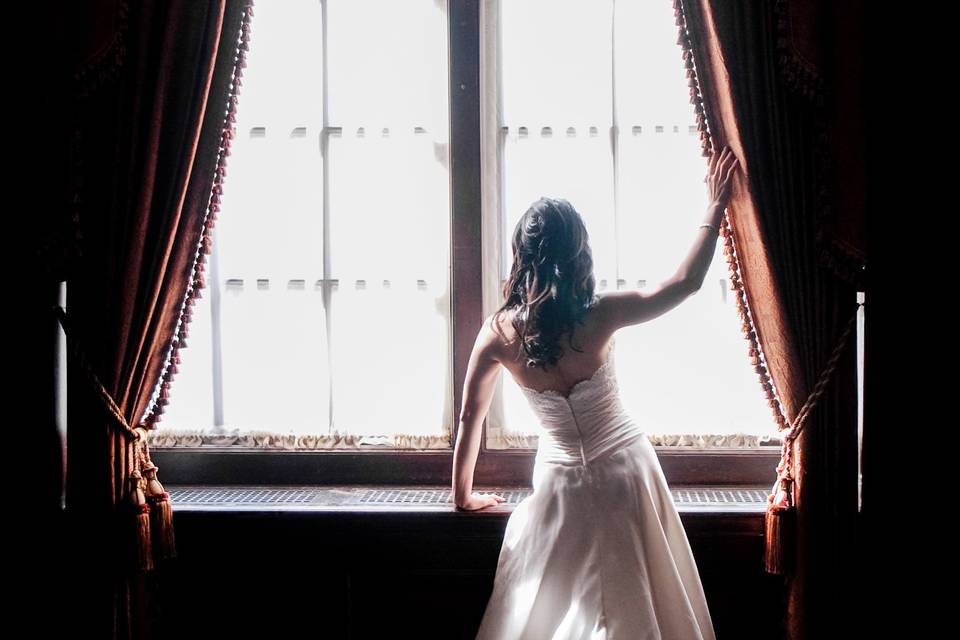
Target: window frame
(495,467)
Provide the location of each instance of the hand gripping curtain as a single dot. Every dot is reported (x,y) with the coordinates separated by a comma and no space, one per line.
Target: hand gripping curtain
(763,80)
(155,96)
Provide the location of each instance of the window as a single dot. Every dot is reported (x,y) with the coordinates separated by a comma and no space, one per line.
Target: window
(590,102)
(384,152)
(338,179)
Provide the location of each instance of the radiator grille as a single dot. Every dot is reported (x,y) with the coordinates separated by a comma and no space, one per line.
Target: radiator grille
(749,499)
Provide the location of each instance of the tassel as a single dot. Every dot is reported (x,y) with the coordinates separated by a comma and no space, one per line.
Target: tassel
(161,515)
(140,510)
(780,534)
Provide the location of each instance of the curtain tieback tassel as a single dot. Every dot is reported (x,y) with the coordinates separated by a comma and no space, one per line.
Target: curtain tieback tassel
(780,521)
(161,515)
(138,508)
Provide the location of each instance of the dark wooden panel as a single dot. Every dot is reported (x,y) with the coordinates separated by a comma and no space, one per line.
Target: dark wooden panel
(426,575)
(466,260)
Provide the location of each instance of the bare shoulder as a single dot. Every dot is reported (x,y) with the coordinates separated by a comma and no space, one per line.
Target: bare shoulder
(634,306)
(494,337)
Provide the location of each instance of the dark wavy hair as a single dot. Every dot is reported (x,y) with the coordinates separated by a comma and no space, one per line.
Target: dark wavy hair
(551,283)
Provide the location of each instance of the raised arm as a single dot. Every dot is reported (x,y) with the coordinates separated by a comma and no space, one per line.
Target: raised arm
(478,387)
(625,308)
(694,267)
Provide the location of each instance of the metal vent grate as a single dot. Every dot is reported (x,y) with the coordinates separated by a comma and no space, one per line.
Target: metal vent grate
(431,496)
(748,499)
(720,497)
(242,495)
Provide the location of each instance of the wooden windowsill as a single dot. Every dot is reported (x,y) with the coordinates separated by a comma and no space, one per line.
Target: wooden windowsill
(218,467)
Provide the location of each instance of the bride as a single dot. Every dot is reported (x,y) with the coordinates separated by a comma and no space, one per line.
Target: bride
(598,549)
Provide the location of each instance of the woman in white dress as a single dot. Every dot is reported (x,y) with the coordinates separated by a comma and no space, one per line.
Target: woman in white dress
(598,550)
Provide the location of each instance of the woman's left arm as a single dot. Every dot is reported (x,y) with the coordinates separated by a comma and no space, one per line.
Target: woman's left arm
(478,388)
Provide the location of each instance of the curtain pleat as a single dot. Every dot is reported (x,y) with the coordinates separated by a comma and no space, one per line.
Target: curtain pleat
(153,93)
(796,249)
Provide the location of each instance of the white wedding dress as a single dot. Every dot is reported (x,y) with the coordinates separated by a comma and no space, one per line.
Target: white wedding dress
(598,550)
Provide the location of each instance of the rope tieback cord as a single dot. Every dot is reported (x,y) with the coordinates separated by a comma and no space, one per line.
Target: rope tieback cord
(137,433)
(146,503)
(794,431)
(780,518)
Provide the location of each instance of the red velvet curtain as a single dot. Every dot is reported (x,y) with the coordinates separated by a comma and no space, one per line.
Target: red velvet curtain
(155,88)
(774,80)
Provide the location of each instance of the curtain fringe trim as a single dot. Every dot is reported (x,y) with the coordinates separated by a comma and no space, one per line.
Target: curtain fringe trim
(265,439)
(693,82)
(201,438)
(198,281)
(677,440)
(755,352)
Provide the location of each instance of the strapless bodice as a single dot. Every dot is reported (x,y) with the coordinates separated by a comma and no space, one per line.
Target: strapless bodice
(583,427)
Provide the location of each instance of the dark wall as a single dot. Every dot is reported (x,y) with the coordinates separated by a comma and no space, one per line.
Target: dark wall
(36,143)
(428,575)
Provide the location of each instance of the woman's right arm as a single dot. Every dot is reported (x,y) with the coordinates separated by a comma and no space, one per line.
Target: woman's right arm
(694,267)
(631,306)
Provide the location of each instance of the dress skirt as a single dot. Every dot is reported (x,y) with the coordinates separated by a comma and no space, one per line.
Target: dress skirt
(598,552)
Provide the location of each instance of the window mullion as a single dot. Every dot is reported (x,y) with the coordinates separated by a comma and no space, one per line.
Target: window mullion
(326,286)
(615,143)
(463,20)
(216,341)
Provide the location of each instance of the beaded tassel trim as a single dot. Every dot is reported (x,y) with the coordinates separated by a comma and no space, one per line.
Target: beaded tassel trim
(162,395)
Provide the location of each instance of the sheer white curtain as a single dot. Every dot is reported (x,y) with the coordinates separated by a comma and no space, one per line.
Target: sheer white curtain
(323,316)
(589,101)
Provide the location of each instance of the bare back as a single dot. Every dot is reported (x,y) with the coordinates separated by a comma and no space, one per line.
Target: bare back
(593,338)
(614,310)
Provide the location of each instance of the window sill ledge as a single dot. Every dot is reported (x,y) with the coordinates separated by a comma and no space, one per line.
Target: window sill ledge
(337,513)
(682,466)
(426,499)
